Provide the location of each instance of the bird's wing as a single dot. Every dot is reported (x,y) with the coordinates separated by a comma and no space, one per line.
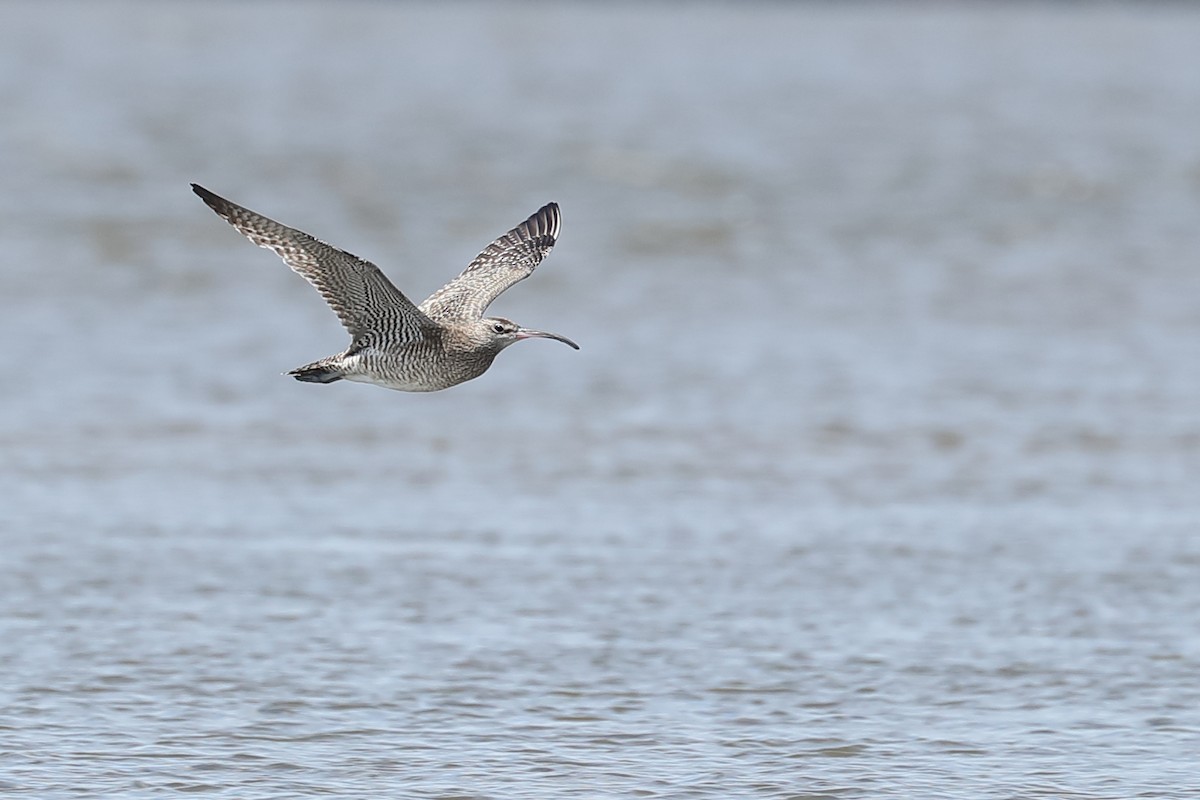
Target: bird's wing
(502,263)
(362,296)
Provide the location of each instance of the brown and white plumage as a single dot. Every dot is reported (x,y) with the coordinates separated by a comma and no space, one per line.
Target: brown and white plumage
(504,262)
(395,344)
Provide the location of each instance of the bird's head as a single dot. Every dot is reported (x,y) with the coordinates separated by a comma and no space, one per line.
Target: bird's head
(499,333)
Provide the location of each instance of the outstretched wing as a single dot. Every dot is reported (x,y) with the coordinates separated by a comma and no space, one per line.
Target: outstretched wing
(509,259)
(362,296)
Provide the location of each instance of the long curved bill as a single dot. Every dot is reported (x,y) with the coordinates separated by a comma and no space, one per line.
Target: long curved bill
(528,333)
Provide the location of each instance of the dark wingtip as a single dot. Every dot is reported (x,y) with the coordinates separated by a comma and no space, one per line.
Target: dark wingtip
(546,222)
(212,200)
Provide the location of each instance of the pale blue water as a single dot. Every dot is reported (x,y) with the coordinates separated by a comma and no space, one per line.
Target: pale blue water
(875,476)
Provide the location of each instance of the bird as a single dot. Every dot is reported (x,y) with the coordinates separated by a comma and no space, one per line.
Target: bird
(444,341)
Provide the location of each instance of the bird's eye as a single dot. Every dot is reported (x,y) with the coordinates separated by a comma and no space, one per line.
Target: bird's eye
(498,327)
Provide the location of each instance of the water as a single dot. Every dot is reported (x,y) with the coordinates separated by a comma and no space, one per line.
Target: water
(875,476)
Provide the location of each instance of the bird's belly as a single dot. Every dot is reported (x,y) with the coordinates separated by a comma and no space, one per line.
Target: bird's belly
(392,382)
(407,370)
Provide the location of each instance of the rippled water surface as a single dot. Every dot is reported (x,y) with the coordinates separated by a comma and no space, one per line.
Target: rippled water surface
(876,476)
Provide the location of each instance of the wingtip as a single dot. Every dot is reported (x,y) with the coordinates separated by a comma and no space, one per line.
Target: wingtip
(548,219)
(213,200)
(202,193)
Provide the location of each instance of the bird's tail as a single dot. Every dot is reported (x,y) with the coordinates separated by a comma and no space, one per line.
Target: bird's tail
(323,371)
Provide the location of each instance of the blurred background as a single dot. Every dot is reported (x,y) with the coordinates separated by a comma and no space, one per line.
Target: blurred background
(875,475)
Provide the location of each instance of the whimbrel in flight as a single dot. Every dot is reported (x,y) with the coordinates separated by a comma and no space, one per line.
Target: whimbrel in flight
(442,342)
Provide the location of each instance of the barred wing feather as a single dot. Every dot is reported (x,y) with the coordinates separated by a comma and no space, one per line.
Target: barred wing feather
(504,262)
